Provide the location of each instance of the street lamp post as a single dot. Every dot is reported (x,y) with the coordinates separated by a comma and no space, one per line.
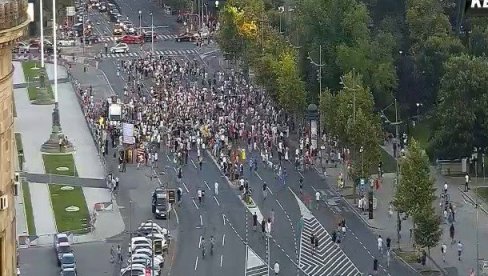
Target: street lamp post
(474,157)
(41,20)
(319,65)
(281,10)
(140,22)
(152,33)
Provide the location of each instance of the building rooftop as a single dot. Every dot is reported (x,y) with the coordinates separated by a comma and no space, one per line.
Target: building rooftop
(12,13)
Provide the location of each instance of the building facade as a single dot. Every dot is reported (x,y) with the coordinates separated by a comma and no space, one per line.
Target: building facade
(13,23)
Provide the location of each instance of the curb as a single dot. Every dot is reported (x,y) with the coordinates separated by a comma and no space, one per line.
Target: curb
(473,200)
(366,221)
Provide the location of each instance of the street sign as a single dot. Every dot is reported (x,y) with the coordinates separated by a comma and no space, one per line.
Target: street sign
(172,196)
(70,11)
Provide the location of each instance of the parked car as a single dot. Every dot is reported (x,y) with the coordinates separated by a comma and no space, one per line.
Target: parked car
(135,270)
(160,204)
(60,238)
(143,259)
(68,261)
(131,39)
(68,272)
(60,249)
(139,241)
(187,37)
(102,8)
(21,47)
(119,48)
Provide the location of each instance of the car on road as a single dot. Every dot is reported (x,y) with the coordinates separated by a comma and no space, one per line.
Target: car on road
(187,37)
(102,8)
(135,242)
(119,48)
(68,272)
(60,238)
(68,261)
(60,249)
(66,43)
(160,204)
(118,30)
(134,270)
(150,36)
(144,259)
(131,39)
(92,39)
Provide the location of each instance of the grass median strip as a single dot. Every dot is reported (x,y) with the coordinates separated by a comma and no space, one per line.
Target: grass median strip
(69,207)
(60,164)
(30,73)
(29,215)
(32,90)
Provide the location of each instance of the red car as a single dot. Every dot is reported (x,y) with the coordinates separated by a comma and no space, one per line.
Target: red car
(132,39)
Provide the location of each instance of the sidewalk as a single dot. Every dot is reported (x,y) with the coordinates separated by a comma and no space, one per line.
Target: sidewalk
(42,209)
(465,224)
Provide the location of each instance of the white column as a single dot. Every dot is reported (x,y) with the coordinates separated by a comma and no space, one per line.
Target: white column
(41,20)
(55,47)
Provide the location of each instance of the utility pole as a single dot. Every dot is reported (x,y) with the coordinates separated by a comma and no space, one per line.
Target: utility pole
(84,30)
(319,65)
(130,226)
(152,33)
(269,254)
(41,20)
(140,22)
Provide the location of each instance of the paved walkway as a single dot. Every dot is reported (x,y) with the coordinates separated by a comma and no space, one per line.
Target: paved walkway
(42,209)
(68,180)
(18,76)
(74,126)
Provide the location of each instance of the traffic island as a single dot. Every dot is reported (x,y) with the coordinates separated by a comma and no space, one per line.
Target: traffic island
(70,210)
(60,164)
(39,88)
(29,214)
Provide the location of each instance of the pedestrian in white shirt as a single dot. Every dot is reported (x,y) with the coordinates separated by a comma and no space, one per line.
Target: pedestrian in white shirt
(380,244)
(317,199)
(276,268)
(216,188)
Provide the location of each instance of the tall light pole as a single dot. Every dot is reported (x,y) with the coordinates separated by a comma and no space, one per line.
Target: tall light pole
(474,156)
(281,10)
(319,65)
(41,20)
(140,22)
(152,33)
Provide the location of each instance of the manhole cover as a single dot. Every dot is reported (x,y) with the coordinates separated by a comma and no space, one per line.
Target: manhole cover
(72,209)
(62,169)
(67,188)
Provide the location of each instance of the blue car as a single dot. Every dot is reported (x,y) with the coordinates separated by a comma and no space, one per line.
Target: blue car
(68,261)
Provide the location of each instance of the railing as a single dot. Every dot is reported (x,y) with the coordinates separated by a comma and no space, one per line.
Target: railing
(12,13)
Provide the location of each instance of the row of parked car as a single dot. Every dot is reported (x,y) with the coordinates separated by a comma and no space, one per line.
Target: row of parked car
(146,250)
(64,255)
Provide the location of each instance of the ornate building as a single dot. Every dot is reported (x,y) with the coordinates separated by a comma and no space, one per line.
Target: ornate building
(13,23)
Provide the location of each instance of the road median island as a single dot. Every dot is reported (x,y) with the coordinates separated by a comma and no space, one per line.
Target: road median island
(69,207)
(29,214)
(60,164)
(32,70)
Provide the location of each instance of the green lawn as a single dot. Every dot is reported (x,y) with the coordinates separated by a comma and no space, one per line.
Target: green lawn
(32,91)
(31,226)
(389,163)
(422,132)
(483,193)
(20,149)
(54,161)
(69,221)
(29,73)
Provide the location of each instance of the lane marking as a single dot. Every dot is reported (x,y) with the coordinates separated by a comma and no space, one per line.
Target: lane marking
(269,190)
(196,264)
(167,156)
(223,218)
(300,174)
(257,174)
(193,163)
(194,203)
(206,184)
(216,201)
(186,188)
(201,220)
(200,242)
(223,240)
(176,215)
(221,260)
(175,169)
(281,206)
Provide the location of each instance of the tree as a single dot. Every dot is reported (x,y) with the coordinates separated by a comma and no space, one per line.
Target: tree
(291,90)
(427,231)
(415,190)
(462,116)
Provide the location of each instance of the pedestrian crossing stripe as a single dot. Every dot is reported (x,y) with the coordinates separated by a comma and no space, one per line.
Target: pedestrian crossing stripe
(163,52)
(158,37)
(328,259)
(255,266)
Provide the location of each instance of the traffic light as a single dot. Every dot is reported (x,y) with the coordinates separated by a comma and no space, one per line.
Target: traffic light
(171,196)
(370,204)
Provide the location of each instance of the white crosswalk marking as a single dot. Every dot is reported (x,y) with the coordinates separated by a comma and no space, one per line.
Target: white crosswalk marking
(158,37)
(328,259)
(255,266)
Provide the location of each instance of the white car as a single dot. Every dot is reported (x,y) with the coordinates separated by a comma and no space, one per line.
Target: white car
(139,241)
(133,270)
(119,48)
(145,251)
(151,226)
(66,43)
(144,259)
(21,47)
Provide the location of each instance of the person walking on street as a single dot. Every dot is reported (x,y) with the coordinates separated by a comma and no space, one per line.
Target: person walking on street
(312,242)
(316,244)
(199,194)
(459,249)
(216,188)
(119,254)
(265,191)
(317,199)
(112,254)
(276,268)
(451,233)
(380,244)
(301,185)
(375,266)
(443,251)
(263,228)
(255,221)
(466,182)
